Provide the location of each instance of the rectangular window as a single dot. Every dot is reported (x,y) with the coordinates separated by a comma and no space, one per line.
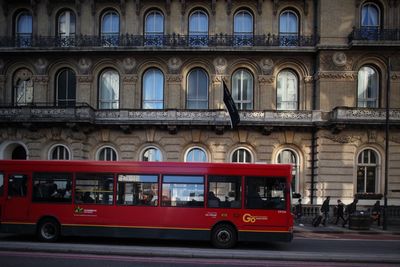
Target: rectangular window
(17,185)
(1,184)
(265,193)
(139,190)
(224,191)
(52,187)
(94,188)
(183,191)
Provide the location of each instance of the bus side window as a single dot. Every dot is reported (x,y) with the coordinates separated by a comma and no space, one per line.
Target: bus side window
(1,184)
(224,192)
(265,193)
(17,185)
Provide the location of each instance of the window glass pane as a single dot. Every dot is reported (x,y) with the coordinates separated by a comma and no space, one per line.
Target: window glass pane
(197,92)
(107,154)
(367,175)
(94,188)
(243,22)
(196,155)
(152,154)
(1,184)
(183,191)
(287,91)
(17,185)
(370,16)
(52,187)
(66,88)
(368,87)
(265,193)
(242,89)
(241,156)
(153,89)
(141,190)
(109,90)
(59,153)
(24,23)
(224,191)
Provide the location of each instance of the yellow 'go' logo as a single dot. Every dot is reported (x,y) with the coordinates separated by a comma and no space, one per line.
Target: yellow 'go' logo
(248,218)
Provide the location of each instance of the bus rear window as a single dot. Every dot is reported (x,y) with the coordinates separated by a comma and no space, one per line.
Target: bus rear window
(52,187)
(183,191)
(265,193)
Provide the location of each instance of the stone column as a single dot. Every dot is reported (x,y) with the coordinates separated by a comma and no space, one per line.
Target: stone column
(174,93)
(267,95)
(127,92)
(40,89)
(84,90)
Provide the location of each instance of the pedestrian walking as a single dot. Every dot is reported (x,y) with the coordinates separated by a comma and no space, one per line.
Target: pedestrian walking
(325,210)
(339,211)
(376,212)
(299,212)
(350,210)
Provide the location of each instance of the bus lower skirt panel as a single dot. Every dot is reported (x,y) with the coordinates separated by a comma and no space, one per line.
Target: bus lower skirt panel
(125,232)
(265,236)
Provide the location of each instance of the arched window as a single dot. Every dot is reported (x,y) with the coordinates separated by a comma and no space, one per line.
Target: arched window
(242,155)
(197,91)
(288,28)
(109,90)
(66,88)
(19,153)
(59,152)
(153,89)
(370,21)
(368,88)
(242,89)
(198,28)
(107,154)
(110,28)
(66,28)
(23,87)
(243,28)
(287,91)
(154,28)
(196,154)
(288,156)
(367,172)
(152,154)
(23,29)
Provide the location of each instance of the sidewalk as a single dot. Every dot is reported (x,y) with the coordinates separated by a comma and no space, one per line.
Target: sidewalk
(338,229)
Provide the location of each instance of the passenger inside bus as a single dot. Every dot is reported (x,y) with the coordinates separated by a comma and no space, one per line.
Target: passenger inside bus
(213,201)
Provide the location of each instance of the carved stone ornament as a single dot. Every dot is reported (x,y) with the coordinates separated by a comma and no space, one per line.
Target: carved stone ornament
(174,63)
(220,65)
(339,59)
(129,64)
(336,75)
(42,79)
(267,65)
(85,78)
(130,78)
(40,65)
(174,78)
(263,79)
(343,139)
(84,65)
(22,75)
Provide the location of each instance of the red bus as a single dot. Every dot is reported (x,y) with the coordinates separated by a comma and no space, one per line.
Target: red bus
(221,202)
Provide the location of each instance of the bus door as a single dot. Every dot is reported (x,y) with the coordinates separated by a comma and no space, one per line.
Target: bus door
(17,202)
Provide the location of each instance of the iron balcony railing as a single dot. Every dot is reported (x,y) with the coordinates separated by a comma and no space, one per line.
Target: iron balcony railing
(374,34)
(169,40)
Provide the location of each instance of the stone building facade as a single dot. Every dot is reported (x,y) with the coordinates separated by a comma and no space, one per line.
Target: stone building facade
(142,80)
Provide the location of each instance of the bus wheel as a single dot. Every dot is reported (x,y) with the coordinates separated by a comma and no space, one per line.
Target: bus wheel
(48,230)
(224,236)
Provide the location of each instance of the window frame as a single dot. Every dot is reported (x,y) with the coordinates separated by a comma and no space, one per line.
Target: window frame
(113,102)
(288,38)
(158,151)
(197,37)
(129,178)
(296,167)
(259,202)
(152,37)
(110,38)
(238,93)
(95,188)
(70,89)
(58,195)
(198,100)
(23,38)
(242,37)
(220,203)
(188,151)
(153,89)
(245,156)
(177,180)
(377,90)
(285,94)
(114,155)
(366,168)
(58,146)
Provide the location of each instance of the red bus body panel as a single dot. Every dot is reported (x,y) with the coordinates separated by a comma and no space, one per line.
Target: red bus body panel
(20,214)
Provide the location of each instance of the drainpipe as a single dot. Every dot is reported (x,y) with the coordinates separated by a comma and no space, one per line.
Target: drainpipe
(314,105)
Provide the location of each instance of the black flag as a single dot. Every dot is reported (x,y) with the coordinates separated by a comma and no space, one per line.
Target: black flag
(230,105)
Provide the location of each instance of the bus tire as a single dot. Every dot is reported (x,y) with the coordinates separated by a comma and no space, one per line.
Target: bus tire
(48,230)
(224,236)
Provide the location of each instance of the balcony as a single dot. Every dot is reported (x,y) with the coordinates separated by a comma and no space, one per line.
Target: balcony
(374,36)
(140,42)
(84,114)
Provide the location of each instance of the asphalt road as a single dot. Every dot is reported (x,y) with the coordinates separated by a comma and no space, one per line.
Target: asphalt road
(307,249)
